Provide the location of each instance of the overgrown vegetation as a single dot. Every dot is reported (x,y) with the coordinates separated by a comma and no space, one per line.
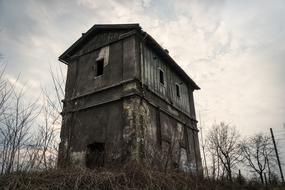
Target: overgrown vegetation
(131,176)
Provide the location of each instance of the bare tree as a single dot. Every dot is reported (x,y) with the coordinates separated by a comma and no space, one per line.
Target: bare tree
(257,151)
(52,109)
(223,140)
(19,148)
(6,135)
(43,149)
(15,131)
(215,167)
(56,95)
(5,91)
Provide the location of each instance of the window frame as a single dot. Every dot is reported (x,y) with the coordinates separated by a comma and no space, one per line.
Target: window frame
(160,70)
(177,90)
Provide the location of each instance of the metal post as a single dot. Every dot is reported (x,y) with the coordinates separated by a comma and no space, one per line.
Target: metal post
(277,156)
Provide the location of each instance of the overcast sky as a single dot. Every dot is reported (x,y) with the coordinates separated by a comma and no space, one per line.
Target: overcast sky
(234,50)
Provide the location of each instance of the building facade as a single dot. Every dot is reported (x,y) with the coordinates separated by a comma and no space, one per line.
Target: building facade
(126,99)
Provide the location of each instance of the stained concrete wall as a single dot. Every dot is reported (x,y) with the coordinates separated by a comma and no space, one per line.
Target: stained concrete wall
(97,124)
(156,136)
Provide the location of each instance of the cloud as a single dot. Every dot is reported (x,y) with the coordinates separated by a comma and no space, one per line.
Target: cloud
(234,50)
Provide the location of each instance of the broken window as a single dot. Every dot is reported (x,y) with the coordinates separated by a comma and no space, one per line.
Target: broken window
(177,90)
(95,155)
(99,67)
(161,76)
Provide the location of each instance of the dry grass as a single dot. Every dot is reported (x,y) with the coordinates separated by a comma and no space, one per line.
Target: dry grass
(129,177)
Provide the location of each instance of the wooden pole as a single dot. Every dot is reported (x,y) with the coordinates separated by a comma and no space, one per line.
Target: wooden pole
(277,156)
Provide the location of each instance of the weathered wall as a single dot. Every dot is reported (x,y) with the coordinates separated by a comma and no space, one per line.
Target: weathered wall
(100,39)
(180,138)
(97,124)
(85,71)
(93,109)
(131,68)
(151,63)
(157,137)
(176,114)
(121,60)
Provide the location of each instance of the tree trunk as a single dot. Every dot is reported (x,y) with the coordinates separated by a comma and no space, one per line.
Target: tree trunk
(261,177)
(230,176)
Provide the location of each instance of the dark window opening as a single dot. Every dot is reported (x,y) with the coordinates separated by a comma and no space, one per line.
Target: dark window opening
(99,67)
(161,76)
(177,90)
(95,155)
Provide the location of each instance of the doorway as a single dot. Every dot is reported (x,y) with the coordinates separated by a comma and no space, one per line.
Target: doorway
(95,155)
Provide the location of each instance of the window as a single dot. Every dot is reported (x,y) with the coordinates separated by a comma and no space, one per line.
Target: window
(177,90)
(99,67)
(161,76)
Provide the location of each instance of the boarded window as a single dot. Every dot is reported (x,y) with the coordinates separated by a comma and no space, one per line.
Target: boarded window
(95,155)
(161,76)
(177,90)
(99,67)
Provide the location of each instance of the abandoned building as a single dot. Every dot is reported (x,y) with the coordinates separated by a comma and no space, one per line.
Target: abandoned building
(126,99)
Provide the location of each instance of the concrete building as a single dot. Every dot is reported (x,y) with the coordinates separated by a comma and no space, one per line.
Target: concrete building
(126,99)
